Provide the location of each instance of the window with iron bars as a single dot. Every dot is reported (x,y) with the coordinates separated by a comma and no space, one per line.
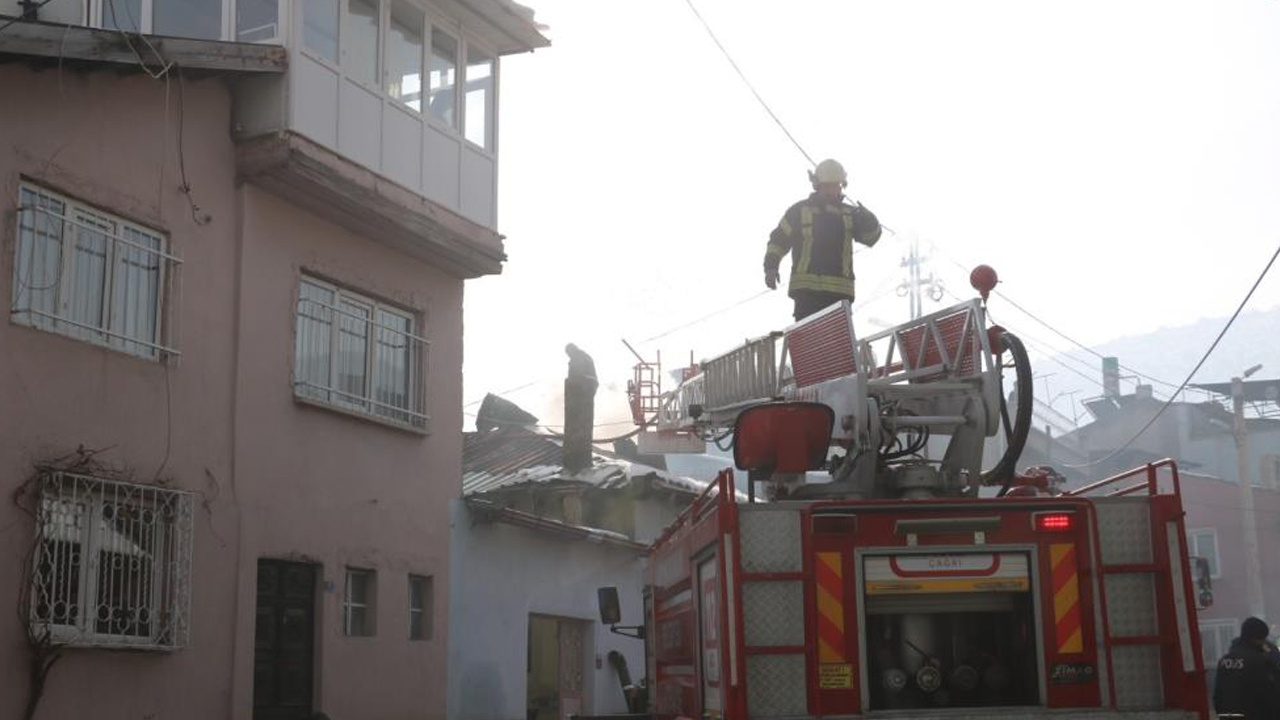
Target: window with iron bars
(89,275)
(354,353)
(112,563)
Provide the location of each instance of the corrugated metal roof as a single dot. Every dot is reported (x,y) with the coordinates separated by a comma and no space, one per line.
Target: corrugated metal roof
(508,457)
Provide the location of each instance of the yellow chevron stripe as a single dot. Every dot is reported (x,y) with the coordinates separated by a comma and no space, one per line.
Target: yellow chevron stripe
(831,560)
(826,653)
(1059,552)
(830,608)
(1067,597)
(1074,644)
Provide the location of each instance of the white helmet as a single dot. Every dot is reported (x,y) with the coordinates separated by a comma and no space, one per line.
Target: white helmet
(829,171)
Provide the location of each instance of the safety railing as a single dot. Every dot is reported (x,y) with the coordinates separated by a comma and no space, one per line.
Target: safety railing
(1150,482)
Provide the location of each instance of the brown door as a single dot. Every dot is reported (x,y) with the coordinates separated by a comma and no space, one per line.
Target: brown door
(283,652)
(556,667)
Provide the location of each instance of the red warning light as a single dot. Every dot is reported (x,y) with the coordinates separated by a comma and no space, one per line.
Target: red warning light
(1055,522)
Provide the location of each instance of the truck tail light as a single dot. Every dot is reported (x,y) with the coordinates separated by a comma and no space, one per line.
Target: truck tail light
(1055,522)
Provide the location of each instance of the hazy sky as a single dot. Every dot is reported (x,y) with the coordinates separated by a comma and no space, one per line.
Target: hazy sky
(1117,162)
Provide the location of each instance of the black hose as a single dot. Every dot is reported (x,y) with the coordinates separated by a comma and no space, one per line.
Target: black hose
(1003,471)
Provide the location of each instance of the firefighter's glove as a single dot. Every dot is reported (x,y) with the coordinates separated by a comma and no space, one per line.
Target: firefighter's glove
(771,279)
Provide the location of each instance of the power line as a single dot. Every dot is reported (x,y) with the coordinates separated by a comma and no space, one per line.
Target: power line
(504,392)
(708,316)
(1194,370)
(747,82)
(1051,328)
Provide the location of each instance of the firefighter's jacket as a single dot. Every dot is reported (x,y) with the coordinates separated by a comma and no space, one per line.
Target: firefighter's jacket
(820,236)
(1247,685)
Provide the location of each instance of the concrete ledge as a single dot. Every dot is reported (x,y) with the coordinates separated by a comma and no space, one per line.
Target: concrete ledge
(354,197)
(77,44)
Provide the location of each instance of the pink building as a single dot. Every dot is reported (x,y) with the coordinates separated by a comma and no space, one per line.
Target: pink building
(1215,532)
(234,264)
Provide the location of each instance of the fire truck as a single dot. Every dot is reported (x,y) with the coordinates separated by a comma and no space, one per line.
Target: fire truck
(885,570)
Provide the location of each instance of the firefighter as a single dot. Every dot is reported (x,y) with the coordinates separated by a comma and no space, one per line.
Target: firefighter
(1247,686)
(819,232)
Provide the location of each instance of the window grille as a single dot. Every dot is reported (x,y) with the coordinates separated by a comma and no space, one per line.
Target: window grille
(360,355)
(112,564)
(89,275)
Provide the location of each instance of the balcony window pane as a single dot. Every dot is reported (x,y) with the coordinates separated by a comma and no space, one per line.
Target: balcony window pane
(444,68)
(479,99)
(188,18)
(320,28)
(122,15)
(404,55)
(361,56)
(257,20)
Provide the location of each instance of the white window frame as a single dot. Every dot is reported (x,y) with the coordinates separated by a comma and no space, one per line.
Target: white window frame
(112,228)
(379,63)
(424,56)
(365,405)
(1223,631)
(98,10)
(1215,562)
(432,25)
(84,514)
(423,611)
(366,603)
(491,126)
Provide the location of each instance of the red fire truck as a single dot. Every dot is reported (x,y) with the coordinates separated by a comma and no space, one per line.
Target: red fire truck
(910,581)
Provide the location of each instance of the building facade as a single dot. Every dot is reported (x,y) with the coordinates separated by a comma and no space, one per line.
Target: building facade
(233,352)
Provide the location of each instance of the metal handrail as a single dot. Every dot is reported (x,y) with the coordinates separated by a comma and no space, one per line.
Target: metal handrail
(113,237)
(1151,484)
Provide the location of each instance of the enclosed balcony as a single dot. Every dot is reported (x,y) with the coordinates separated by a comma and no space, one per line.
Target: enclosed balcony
(405,88)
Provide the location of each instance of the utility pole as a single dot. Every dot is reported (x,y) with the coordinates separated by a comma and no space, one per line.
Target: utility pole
(911,287)
(1249,522)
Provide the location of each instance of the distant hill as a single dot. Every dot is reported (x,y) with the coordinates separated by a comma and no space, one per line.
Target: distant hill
(1166,354)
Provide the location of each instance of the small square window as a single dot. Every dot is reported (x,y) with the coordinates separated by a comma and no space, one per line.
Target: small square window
(358,603)
(420,604)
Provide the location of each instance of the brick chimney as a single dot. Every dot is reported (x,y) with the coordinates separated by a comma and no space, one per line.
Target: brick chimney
(579,409)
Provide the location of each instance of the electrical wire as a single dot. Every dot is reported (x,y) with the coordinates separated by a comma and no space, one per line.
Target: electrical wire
(1051,328)
(747,82)
(1191,374)
(706,317)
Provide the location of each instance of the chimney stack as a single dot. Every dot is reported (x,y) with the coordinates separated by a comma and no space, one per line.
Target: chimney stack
(579,410)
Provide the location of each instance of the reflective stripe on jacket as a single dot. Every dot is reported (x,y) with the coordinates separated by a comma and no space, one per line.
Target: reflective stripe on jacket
(820,236)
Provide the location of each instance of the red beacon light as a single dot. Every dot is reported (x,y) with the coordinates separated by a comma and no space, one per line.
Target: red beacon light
(1055,522)
(984,279)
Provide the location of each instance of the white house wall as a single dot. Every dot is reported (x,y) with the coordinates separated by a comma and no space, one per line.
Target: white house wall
(502,574)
